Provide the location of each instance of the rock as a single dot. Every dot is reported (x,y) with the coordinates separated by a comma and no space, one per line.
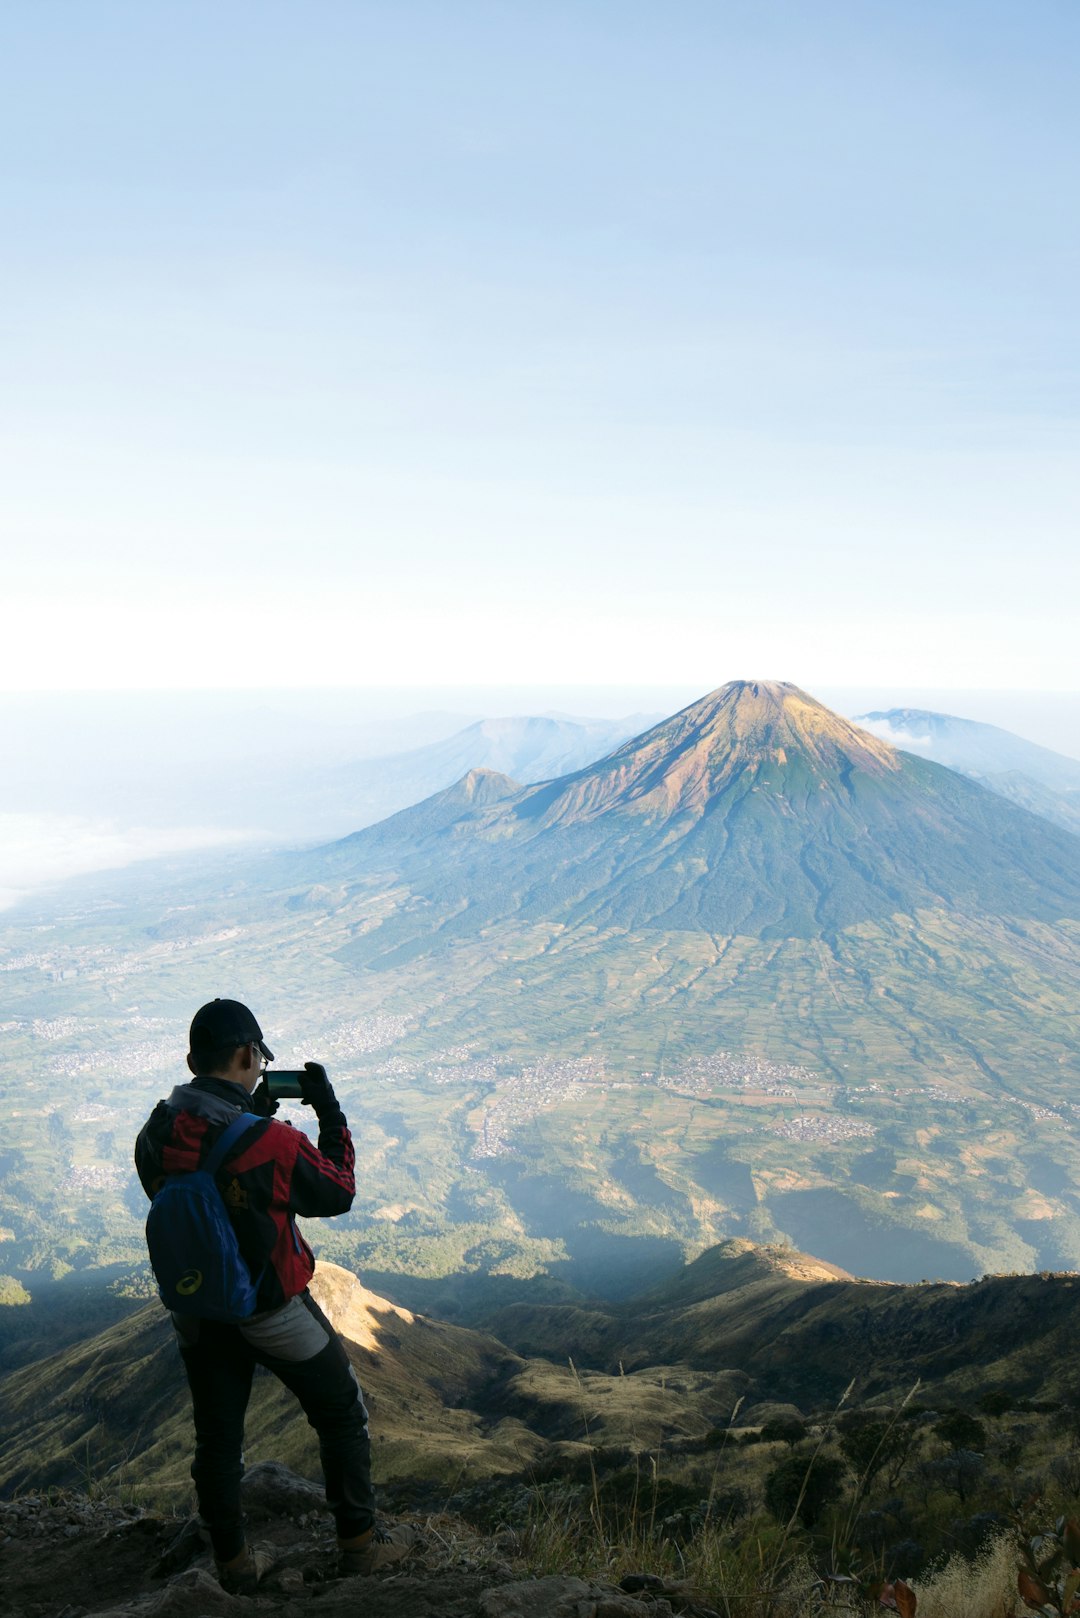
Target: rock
(271,1490)
(193,1594)
(192,1541)
(559,1597)
(289,1582)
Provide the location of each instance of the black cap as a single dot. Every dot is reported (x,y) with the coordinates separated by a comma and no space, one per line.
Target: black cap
(226,1022)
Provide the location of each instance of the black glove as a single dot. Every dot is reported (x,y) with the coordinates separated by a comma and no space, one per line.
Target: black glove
(318,1091)
(262,1102)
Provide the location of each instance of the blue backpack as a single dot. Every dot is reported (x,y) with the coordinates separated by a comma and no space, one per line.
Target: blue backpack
(194,1252)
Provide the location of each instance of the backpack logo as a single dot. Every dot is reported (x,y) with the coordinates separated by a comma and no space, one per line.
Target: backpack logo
(193,1247)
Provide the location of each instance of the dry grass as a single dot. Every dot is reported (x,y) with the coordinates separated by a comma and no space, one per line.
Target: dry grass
(984,1587)
(754,1577)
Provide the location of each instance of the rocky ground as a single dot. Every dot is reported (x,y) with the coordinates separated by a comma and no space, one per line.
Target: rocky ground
(64,1555)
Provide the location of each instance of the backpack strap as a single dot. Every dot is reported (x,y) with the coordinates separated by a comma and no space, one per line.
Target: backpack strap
(221,1147)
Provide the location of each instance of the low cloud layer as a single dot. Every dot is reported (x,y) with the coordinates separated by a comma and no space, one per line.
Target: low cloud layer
(37,851)
(904,739)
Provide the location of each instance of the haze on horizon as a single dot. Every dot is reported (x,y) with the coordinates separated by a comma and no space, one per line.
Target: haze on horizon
(472,345)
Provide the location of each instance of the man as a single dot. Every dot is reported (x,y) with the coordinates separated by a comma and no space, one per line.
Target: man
(269,1175)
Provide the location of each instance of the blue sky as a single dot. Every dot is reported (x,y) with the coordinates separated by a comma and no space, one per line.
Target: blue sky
(504,343)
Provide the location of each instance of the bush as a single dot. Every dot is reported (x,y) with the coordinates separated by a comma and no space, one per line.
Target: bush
(995,1403)
(872,1443)
(803,1487)
(784,1430)
(961,1431)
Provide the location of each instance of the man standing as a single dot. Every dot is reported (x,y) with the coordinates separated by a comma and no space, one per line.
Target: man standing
(269,1175)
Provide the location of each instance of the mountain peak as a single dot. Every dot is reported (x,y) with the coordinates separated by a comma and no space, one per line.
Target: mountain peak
(775,713)
(481,785)
(759,734)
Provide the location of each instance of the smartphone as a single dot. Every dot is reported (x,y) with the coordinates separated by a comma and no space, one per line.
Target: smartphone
(283,1085)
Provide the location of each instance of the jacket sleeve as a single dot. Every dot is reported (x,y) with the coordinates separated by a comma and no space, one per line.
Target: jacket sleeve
(322,1179)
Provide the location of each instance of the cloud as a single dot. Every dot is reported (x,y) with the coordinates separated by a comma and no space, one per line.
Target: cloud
(904,739)
(39,850)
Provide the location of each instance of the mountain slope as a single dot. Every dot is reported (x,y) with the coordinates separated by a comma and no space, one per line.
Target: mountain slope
(802,1330)
(526,747)
(120,1397)
(754,811)
(452,1406)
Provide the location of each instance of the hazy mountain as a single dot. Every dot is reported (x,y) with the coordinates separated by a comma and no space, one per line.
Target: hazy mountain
(755,811)
(760,879)
(102,782)
(1035,777)
(526,748)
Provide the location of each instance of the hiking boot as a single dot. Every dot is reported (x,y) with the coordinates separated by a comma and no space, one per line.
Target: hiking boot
(377,1549)
(241,1575)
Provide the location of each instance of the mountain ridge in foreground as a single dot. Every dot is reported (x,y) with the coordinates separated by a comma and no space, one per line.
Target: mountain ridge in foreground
(460,1403)
(784,1369)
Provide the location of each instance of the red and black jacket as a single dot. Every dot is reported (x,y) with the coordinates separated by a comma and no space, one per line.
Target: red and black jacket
(272,1174)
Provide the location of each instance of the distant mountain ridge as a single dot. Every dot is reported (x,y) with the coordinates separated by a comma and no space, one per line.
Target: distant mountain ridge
(527,748)
(1036,778)
(754,811)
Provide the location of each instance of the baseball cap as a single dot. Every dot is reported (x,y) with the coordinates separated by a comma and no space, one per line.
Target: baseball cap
(226,1022)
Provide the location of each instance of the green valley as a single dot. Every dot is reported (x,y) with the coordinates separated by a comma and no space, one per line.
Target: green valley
(755,974)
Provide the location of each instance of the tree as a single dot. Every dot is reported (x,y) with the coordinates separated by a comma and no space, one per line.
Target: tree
(804,1487)
(961,1431)
(872,1444)
(784,1429)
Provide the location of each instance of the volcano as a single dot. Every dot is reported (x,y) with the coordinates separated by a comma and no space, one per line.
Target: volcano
(755,811)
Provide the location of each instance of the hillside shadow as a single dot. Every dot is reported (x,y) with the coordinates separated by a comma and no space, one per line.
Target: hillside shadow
(609,1267)
(726,1178)
(603,1268)
(832,1226)
(602,1263)
(467,1298)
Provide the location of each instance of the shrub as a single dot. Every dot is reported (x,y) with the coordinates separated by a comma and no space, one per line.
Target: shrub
(785,1430)
(803,1488)
(961,1431)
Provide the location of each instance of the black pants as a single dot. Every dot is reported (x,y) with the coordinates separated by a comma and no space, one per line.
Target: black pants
(301,1347)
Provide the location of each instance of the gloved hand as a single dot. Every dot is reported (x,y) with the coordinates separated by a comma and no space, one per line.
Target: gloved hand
(318,1091)
(262,1102)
